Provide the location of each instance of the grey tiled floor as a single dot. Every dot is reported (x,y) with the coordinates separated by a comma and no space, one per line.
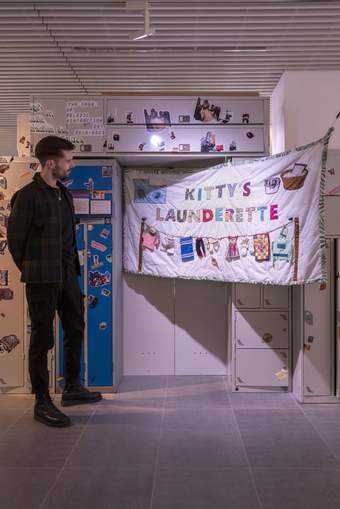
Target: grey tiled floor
(173,443)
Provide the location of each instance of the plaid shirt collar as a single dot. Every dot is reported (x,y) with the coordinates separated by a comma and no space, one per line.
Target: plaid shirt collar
(43,185)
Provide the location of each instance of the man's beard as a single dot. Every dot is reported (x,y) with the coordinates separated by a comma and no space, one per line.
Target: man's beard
(57,173)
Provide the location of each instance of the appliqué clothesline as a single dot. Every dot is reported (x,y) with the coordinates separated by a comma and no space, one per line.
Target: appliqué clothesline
(263,248)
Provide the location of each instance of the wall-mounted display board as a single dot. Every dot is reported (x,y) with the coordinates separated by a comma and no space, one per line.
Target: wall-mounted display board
(187,124)
(79,119)
(134,124)
(14,174)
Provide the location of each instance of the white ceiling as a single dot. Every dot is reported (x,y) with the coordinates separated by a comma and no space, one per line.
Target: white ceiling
(83,47)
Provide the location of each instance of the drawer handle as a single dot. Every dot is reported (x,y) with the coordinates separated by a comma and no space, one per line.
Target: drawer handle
(309,319)
(267,337)
(240,342)
(307,346)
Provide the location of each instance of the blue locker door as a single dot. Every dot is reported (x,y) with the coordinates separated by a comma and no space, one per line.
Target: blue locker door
(81,247)
(99,309)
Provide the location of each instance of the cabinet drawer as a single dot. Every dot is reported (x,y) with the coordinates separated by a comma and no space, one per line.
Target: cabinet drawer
(275,297)
(264,368)
(256,329)
(247,296)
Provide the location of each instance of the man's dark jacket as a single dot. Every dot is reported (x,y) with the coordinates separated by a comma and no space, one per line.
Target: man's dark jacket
(34,232)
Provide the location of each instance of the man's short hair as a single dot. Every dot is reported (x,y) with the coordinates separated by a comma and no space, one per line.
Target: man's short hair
(50,147)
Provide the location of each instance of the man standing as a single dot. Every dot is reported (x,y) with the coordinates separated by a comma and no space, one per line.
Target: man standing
(41,240)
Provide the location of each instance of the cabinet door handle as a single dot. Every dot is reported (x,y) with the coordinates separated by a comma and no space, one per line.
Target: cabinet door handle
(240,380)
(240,342)
(268,302)
(309,389)
(239,302)
(267,337)
(284,317)
(284,354)
(309,319)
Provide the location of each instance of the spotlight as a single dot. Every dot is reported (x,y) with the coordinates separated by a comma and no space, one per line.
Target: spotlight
(148,31)
(156,140)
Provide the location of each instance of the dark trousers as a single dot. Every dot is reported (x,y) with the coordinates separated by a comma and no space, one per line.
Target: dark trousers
(44,300)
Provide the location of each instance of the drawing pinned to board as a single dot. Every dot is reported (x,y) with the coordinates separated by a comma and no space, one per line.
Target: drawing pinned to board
(156,120)
(129,119)
(6,294)
(34,166)
(8,343)
(3,246)
(245,118)
(92,301)
(105,233)
(206,112)
(208,142)
(3,182)
(4,167)
(107,171)
(97,278)
(228,117)
(3,277)
(98,246)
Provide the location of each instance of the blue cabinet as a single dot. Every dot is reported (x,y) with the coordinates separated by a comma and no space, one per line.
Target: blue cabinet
(91,186)
(99,305)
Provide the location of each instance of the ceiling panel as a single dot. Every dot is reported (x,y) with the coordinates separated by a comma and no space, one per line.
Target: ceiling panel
(81,46)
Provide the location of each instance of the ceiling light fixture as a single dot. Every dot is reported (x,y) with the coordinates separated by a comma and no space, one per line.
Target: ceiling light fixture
(139,5)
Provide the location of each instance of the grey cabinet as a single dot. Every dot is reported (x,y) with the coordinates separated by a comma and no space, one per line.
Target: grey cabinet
(262,368)
(261,337)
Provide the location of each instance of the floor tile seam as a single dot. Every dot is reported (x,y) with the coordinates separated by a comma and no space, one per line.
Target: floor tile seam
(250,471)
(62,469)
(227,468)
(159,446)
(7,430)
(322,439)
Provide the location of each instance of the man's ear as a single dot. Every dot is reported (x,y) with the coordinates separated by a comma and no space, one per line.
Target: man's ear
(50,164)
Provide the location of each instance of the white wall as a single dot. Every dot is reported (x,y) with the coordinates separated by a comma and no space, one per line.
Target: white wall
(8,141)
(303,106)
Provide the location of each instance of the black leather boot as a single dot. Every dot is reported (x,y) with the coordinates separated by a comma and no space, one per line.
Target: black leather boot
(79,395)
(47,413)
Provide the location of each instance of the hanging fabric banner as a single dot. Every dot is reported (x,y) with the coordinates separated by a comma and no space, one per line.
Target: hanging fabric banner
(259,221)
